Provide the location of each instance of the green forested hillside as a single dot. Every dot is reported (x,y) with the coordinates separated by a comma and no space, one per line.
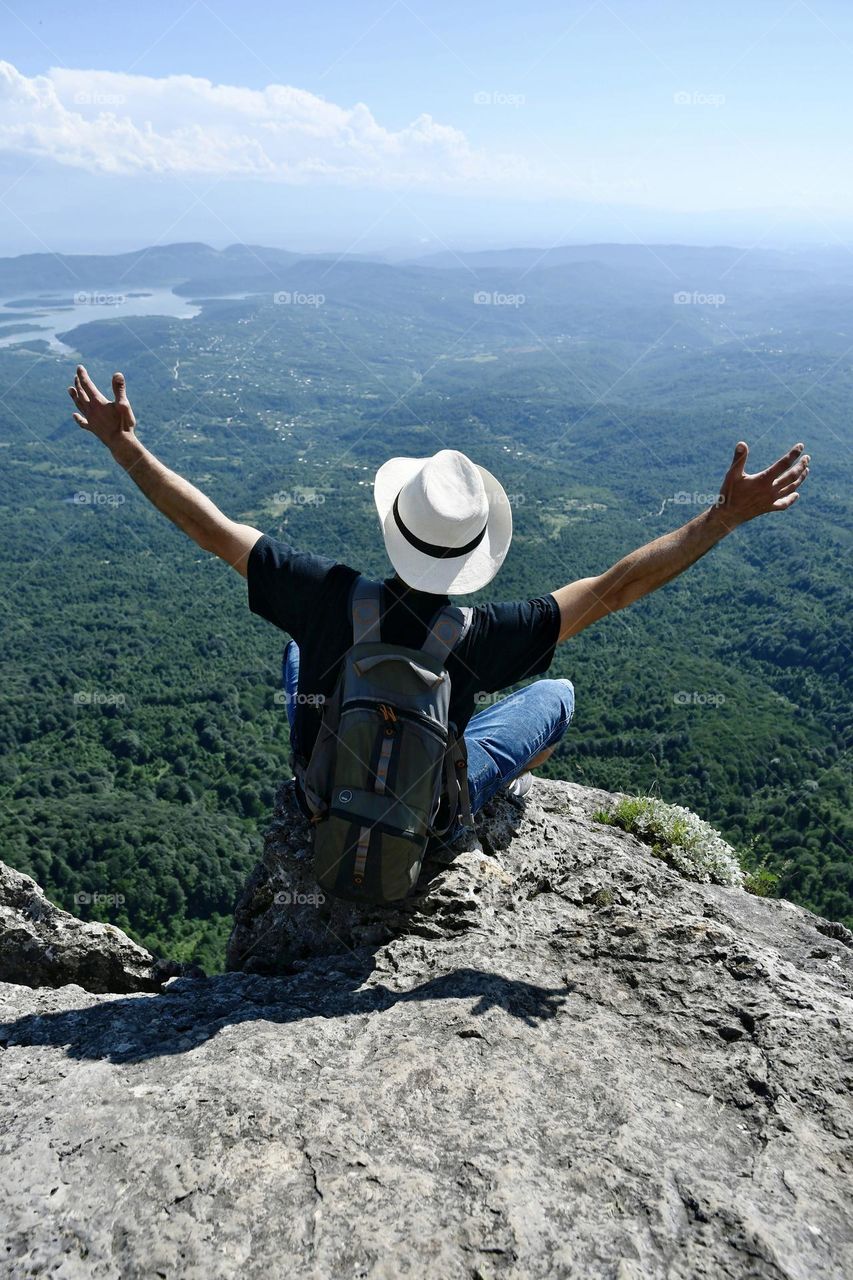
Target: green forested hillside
(143,736)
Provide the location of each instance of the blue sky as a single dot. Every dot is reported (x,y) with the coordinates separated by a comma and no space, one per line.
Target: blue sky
(480,124)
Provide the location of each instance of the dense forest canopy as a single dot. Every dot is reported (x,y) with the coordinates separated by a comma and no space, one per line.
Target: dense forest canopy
(143,728)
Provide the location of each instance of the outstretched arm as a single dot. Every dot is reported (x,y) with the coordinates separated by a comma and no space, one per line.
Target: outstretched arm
(742,497)
(112,421)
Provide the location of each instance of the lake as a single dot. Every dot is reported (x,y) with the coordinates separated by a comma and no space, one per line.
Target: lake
(44,315)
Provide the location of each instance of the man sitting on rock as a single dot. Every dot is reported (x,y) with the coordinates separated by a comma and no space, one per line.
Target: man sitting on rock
(447,526)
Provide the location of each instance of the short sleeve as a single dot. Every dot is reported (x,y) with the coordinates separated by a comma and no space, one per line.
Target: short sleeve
(512,642)
(286,586)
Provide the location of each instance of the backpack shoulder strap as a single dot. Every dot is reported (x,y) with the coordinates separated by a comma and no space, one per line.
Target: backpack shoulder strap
(366,609)
(447,629)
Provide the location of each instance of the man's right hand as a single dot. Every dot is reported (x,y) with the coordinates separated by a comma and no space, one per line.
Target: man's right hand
(110,420)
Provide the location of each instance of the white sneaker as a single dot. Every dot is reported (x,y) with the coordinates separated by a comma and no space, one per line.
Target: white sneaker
(520,786)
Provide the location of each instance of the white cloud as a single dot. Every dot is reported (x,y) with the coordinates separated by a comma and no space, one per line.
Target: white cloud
(114,123)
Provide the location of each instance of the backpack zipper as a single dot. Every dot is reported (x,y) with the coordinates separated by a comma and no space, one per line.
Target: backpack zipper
(396,713)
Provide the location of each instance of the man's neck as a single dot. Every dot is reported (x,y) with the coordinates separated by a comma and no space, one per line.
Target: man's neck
(401,588)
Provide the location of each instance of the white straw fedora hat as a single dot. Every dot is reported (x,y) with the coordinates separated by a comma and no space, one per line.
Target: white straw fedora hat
(447,522)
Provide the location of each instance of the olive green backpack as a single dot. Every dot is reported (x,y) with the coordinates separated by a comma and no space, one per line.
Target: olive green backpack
(386,758)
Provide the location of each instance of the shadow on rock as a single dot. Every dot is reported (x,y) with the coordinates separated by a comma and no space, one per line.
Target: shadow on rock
(190,1012)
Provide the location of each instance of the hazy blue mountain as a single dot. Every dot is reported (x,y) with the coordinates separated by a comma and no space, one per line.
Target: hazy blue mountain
(157,265)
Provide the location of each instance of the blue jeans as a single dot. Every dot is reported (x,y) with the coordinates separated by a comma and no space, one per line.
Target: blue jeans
(501,739)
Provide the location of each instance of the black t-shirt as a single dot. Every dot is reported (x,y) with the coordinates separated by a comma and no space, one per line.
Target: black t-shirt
(308,596)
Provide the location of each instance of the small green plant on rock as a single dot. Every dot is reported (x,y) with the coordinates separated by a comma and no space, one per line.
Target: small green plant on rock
(759,879)
(682,840)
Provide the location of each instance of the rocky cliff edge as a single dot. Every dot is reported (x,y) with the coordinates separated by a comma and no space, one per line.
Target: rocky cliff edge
(561,1060)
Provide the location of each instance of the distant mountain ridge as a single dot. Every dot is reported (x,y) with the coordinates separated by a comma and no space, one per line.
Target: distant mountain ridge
(156,265)
(194,265)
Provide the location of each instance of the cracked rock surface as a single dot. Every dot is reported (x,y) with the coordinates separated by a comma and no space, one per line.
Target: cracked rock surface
(562,1060)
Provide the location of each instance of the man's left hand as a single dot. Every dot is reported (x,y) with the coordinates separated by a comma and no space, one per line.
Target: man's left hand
(743,497)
